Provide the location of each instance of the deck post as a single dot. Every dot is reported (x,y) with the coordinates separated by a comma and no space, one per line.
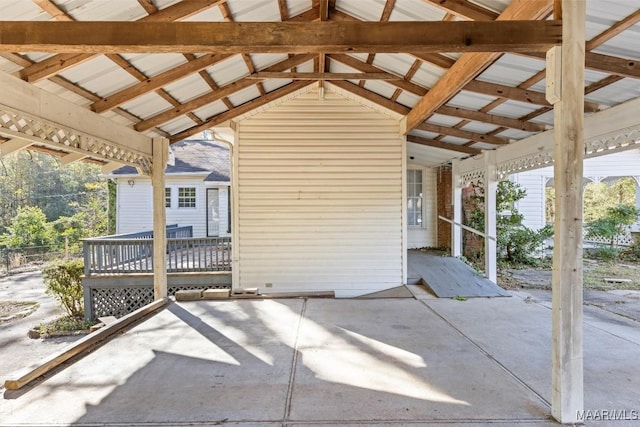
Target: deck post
(565,90)
(160,158)
(456,200)
(490,189)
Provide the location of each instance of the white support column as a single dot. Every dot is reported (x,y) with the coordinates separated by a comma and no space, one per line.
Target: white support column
(490,189)
(456,200)
(160,158)
(567,317)
(637,179)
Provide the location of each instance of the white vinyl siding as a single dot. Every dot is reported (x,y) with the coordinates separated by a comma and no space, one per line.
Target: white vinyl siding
(135,207)
(532,205)
(425,236)
(320,197)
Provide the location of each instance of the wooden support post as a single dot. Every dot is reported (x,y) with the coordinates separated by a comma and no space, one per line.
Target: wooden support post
(490,189)
(567,329)
(160,158)
(456,200)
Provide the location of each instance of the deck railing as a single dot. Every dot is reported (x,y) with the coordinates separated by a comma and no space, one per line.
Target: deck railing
(125,254)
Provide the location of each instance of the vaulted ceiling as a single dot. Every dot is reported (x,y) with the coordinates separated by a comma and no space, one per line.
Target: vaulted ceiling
(459,90)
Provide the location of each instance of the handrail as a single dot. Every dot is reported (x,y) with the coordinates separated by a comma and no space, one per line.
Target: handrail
(184,254)
(171,228)
(465,227)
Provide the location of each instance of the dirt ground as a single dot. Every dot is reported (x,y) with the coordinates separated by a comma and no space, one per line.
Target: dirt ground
(621,298)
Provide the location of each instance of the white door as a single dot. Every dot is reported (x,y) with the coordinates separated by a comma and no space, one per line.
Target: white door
(213,212)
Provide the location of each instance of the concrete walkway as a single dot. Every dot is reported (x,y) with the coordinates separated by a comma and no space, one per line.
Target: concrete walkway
(323,362)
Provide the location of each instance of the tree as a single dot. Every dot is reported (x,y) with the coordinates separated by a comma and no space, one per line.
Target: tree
(614,224)
(516,244)
(29,228)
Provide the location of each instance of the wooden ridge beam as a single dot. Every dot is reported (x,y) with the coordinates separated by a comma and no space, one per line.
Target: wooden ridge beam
(58,63)
(215,95)
(459,133)
(278,37)
(240,109)
(480,116)
(322,76)
(470,65)
(442,145)
(464,9)
(156,82)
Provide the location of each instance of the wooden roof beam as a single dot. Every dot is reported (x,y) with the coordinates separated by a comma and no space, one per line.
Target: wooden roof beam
(371,96)
(240,109)
(604,63)
(464,9)
(465,134)
(442,145)
(278,37)
(470,65)
(480,116)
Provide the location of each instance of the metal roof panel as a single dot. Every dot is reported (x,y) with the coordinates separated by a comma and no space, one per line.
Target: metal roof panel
(147,105)
(100,75)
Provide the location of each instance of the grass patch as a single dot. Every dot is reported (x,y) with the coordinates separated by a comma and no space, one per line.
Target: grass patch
(11,310)
(65,325)
(595,273)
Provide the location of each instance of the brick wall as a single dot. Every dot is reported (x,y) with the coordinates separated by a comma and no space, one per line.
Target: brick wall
(444,205)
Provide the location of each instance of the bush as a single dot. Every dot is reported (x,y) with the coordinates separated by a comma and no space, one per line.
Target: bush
(64,283)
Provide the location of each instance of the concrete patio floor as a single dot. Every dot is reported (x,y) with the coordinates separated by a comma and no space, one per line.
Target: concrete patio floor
(318,362)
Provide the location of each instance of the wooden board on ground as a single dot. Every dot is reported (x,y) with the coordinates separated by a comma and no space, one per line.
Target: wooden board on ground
(448,277)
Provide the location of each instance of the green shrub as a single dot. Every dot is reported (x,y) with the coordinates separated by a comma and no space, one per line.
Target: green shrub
(64,283)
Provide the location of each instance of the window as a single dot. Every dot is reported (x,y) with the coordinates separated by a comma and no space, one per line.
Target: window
(414,198)
(186,197)
(167,197)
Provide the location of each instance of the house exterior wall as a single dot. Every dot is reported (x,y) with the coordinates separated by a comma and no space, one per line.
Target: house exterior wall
(134,205)
(320,197)
(596,168)
(532,205)
(426,235)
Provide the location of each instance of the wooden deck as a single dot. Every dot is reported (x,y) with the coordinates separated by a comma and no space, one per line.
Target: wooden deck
(448,277)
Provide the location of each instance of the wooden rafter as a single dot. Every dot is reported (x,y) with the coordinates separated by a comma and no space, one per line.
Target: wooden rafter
(469,65)
(491,119)
(240,109)
(215,95)
(614,30)
(278,37)
(62,61)
(464,9)
(465,134)
(371,96)
(156,82)
(52,9)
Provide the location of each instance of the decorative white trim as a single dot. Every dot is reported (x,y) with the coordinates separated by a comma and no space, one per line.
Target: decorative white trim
(474,176)
(533,161)
(17,124)
(624,138)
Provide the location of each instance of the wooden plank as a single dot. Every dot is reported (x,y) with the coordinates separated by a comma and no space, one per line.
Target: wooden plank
(567,390)
(469,65)
(160,158)
(605,63)
(278,37)
(459,133)
(323,76)
(443,145)
(491,119)
(53,10)
(13,145)
(614,30)
(72,157)
(215,95)
(21,378)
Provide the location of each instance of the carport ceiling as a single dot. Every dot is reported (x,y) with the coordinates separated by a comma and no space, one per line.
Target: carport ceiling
(142,66)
